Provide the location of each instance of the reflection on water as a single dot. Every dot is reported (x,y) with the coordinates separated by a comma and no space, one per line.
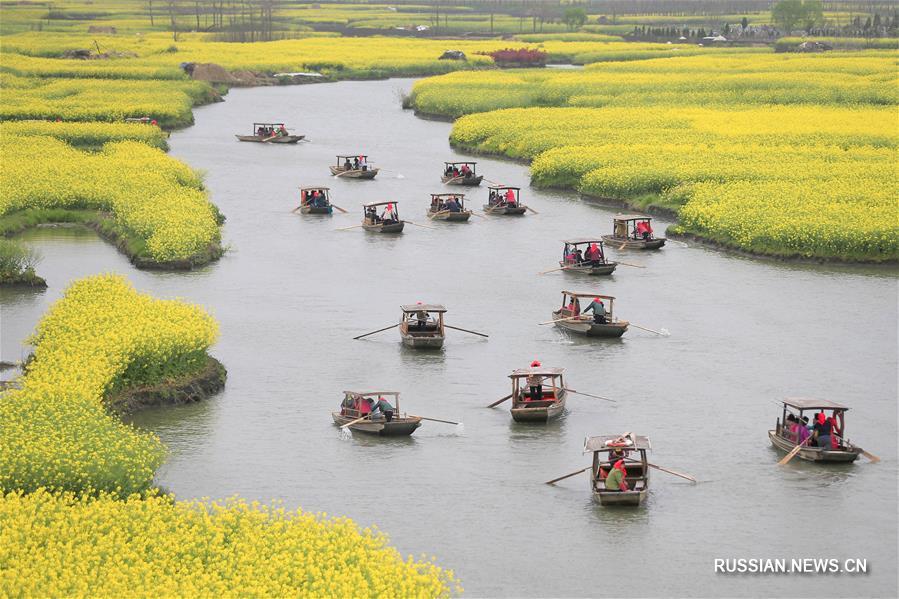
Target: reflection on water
(292,293)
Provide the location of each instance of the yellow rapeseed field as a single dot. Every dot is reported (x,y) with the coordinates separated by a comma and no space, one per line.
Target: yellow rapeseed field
(77,516)
(66,545)
(101,336)
(157,198)
(87,134)
(776,154)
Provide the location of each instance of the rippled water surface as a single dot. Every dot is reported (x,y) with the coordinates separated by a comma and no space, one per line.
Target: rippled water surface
(292,293)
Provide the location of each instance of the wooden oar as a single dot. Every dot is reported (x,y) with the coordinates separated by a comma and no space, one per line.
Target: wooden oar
(295,209)
(555,269)
(687,476)
(531,209)
(647,329)
(353,170)
(268,139)
(560,320)
(454,178)
(874,459)
(623,245)
(555,480)
(627,264)
(378,331)
(496,403)
(476,214)
(793,452)
(349,424)
(348,228)
(418,225)
(465,330)
(435,419)
(339,208)
(588,394)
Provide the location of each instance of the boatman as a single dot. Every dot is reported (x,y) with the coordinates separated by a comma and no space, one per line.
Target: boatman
(643,230)
(599,310)
(535,382)
(616,479)
(383,406)
(510,197)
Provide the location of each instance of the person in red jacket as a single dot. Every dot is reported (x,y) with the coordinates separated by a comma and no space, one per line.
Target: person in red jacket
(644,230)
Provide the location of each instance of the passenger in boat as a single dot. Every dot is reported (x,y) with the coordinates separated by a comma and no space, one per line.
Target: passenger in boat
(387,216)
(617,454)
(449,170)
(510,197)
(371,214)
(643,230)
(822,430)
(599,310)
(362,164)
(594,255)
(453,205)
(617,478)
(282,131)
(578,257)
(365,408)
(535,382)
(455,172)
(346,164)
(465,171)
(573,307)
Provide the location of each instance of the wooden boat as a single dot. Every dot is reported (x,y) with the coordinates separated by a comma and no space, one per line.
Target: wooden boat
(388,222)
(315,200)
(602,266)
(393,424)
(633,448)
(421,326)
(354,167)
(439,210)
(550,405)
(270,133)
(625,235)
(573,321)
(469,179)
(498,204)
(843,452)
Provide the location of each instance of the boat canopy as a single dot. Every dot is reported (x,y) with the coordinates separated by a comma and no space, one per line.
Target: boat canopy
(599,295)
(463,162)
(500,187)
(583,241)
(447,195)
(375,204)
(598,443)
(630,217)
(257,125)
(412,308)
(315,188)
(537,371)
(368,393)
(809,403)
(351,156)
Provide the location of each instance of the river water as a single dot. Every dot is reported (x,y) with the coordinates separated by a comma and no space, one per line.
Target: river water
(292,292)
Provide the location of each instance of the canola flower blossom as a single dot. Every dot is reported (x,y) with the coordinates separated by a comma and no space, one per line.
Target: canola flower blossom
(157,198)
(102,336)
(55,545)
(88,134)
(78,516)
(775,154)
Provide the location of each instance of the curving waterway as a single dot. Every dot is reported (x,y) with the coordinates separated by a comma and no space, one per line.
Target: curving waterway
(293,292)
